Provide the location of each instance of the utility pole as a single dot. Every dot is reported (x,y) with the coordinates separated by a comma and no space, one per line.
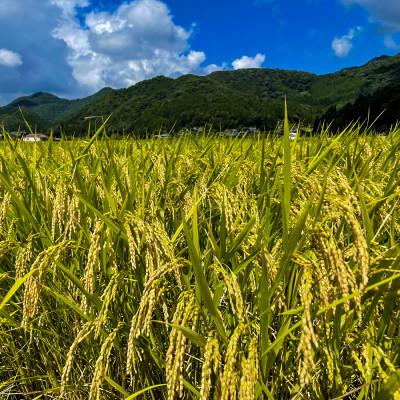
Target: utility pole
(95,118)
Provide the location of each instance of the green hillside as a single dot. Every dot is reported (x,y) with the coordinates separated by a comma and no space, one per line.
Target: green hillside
(13,120)
(45,105)
(225,99)
(185,102)
(44,110)
(381,109)
(347,85)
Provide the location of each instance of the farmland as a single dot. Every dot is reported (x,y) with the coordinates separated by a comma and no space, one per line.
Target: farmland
(201,267)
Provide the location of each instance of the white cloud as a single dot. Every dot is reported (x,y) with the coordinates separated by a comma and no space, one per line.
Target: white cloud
(249,62)
(137,41)
(74,37)
(69,7)
(137,28)
(101,23)
(196,58)
(214,68)
(386,12)
(390,43)
(9,58)
(341,46)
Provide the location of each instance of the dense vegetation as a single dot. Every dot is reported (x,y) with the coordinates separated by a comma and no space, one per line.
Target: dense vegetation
(227,99)
(202,267)
(381,109)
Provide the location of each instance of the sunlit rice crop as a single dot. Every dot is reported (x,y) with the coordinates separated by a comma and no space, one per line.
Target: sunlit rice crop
(201,267)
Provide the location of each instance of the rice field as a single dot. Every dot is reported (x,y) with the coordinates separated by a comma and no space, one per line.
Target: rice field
(201,268)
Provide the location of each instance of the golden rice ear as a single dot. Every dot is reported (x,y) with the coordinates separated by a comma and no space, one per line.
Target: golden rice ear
(230,378)
(82,335)
(59,210)
(109,296)
(93,263)
(360,246)
(233,289)
(4,207)
(102,365)
(23,258)
(185,314)
(211,366)
(34,284)
(308,338)
(250,369)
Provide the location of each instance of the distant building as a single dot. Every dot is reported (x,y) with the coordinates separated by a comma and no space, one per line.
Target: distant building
(35,137)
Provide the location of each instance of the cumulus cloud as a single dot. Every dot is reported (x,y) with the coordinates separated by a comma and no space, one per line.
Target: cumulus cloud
(386,12)
(9,58)
(249,62)
(137,41)
(214,68)
(342,45)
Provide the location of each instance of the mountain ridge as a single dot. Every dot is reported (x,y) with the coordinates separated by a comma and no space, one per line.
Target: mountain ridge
(225,99)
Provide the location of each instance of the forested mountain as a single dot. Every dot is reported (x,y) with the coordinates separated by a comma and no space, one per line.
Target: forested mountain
(225,99)
(379,110)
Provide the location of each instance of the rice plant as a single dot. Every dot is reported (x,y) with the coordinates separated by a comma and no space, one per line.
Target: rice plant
(201,268)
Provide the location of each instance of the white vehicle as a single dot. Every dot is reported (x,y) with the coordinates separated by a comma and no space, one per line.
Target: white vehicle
(293,134)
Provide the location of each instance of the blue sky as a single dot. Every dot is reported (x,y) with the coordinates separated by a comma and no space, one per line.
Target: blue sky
(75,47)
